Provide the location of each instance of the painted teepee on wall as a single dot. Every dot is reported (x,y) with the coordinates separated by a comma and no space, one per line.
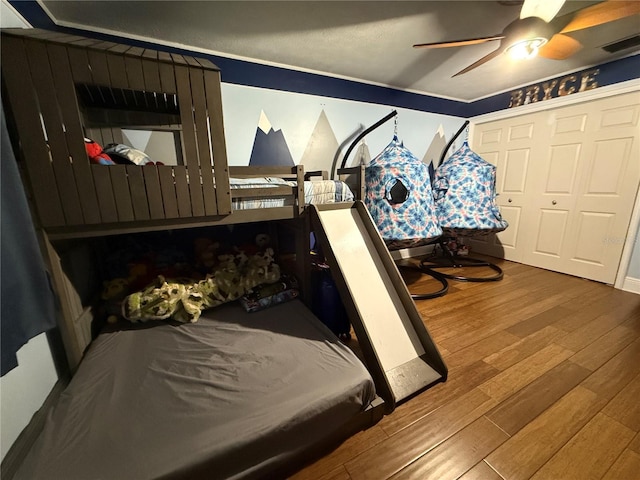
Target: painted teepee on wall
(362,155)
(269,146)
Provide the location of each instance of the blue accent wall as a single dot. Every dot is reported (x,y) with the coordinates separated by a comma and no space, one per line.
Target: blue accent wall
(609,73)
(241,72)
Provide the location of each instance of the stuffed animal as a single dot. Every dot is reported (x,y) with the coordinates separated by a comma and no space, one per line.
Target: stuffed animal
(117,288)
(96,154)
(206,253)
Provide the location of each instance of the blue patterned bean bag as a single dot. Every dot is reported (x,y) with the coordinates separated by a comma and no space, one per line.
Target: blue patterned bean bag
(399,197)
(465,193)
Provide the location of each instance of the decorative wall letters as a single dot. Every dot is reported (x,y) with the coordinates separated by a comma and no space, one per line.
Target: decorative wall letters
(576,82)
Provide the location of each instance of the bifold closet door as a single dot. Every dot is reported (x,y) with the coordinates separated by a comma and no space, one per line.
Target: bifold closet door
(507,144)
(579,170)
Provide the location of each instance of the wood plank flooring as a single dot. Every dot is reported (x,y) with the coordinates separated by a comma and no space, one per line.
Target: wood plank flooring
(544,384)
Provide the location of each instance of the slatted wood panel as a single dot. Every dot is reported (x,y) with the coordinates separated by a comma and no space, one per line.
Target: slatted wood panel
(68,105)
(202,140)
(154,193)
(168,191)
(104,191)
(218,147)
(189,138)
(65,69)
(21,95)
(121,192)
(138,192)
(151,71)
(72,344)
(43,82)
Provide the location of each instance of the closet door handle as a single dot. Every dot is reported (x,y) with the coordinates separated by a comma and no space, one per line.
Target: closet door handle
(509,200)
(553,202)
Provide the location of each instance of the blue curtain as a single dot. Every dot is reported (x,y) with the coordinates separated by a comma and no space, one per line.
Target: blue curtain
(27,306)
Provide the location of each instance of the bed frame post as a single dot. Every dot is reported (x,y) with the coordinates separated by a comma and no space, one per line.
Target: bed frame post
(71,317)
(303,256)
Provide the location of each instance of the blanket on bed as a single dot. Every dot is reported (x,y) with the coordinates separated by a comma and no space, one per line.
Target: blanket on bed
(235,395)
(315,192)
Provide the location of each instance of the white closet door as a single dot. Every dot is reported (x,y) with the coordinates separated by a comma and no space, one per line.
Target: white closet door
(507,144)
(607,189)
(582,169)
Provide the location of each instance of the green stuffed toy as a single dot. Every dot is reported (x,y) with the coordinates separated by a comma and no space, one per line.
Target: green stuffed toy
(184,300)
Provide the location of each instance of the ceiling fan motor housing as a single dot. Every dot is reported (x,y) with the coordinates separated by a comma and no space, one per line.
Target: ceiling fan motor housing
(530,28)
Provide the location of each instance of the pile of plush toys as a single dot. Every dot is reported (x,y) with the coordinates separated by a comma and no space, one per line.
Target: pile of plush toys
(163,284)
(184,301)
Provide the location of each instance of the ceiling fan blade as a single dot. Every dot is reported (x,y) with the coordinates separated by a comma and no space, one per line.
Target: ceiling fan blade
(459,43)
(600,13)
(560,47)
(485,59)
(544,9)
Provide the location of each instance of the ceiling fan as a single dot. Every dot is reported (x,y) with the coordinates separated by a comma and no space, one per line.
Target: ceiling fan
(539,32)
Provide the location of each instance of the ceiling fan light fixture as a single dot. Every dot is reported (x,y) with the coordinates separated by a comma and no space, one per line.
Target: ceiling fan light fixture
(525,48)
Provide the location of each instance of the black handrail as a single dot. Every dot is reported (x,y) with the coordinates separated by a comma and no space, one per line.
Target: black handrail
(453,139)
(359,137)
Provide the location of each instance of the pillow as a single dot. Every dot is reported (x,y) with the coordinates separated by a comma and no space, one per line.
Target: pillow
(125,154)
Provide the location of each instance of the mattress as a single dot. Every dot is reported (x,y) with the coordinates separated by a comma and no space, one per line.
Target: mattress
(234,395)
(315,192)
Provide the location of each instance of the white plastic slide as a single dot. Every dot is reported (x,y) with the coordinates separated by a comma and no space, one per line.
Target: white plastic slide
(398,349)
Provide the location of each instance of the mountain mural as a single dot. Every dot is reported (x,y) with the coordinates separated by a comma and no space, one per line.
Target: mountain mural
(322,147)
(434,152)
(269,146)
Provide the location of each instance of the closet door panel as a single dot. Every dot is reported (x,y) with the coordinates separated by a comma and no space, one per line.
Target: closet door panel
(507,146)
(550,232)
(553,185)
(562,170)
(590,249)
(508,238)
(607,189)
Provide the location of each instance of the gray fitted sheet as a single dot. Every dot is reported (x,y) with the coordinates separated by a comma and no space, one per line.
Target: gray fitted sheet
(232,396)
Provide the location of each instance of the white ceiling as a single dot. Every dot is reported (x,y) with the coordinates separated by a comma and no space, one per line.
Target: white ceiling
(368,41)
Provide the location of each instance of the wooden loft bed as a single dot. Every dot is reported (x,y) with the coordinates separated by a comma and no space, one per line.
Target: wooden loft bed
(58,89)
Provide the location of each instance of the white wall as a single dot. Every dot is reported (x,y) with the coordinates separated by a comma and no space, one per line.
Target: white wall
(629,277)
(24,389)
(297,114)
(634,264)
(9,18)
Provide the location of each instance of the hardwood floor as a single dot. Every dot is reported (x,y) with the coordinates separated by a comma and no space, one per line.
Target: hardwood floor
(544,384)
